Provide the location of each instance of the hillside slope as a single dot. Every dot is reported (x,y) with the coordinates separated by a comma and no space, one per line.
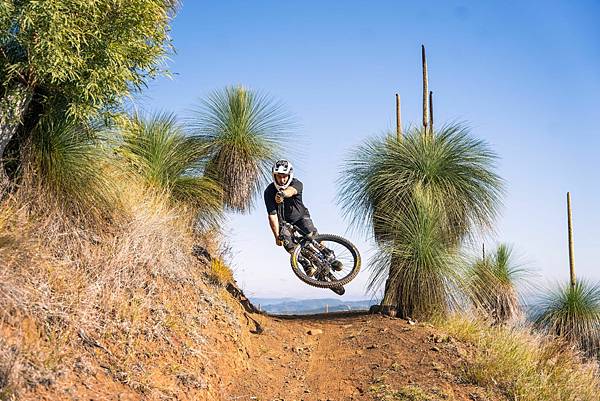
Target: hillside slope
(236,354)
(132,314)
(240,355)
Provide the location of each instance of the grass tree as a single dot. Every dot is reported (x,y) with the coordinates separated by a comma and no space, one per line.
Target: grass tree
(172,162)
(67,161)
(492,285)
(243,131)
(426,273)
(572,312)
(451,169)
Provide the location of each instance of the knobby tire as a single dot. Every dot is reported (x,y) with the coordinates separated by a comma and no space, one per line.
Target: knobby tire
(299,270)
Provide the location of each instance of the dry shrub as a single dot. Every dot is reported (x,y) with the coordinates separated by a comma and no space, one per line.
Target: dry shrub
(124,285)
(525,366)
(220,272)
(5,213)
(9,380)
(572,312)
(491,284)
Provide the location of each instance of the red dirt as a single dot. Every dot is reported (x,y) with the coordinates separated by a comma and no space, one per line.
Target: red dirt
(348,357)
(356,357)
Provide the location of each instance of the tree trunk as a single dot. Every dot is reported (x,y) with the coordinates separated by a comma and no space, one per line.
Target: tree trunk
(12,109)
(389,303)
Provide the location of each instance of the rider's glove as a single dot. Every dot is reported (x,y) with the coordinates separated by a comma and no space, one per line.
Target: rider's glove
(279,197)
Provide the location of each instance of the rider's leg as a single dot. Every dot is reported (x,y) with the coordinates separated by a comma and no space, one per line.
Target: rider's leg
(309,269)
(289,246)
(306,226)
(286,236)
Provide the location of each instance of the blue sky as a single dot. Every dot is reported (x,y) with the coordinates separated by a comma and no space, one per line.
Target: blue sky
(525,76)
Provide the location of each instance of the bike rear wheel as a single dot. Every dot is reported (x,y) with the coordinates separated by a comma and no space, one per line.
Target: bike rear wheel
(333,247)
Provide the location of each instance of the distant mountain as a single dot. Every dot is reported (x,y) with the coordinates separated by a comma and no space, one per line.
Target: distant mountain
(271,301)
(285,306)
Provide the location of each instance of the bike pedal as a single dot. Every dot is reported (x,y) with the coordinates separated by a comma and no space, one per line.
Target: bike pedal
(337,265)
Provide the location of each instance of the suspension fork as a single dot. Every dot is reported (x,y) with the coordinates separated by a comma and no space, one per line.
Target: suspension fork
(321,248)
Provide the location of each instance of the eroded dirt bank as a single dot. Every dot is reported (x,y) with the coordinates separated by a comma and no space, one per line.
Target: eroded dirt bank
(242,355)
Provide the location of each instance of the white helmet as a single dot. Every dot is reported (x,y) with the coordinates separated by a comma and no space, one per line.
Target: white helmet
(283,167)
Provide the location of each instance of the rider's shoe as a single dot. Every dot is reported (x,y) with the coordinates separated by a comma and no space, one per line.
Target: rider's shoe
(309,269)
(337,265)
(338,290)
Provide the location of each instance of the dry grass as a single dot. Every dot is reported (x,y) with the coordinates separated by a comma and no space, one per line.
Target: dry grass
(524,366)
(5,214)
(382,391)
(122,295)
(220,272)
(9,380)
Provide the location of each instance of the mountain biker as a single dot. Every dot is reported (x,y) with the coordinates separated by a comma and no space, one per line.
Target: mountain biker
(288,190)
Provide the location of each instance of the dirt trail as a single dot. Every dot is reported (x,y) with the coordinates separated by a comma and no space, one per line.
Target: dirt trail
(355,357)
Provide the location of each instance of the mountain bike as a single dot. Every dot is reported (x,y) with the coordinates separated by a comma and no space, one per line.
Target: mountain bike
(335,259)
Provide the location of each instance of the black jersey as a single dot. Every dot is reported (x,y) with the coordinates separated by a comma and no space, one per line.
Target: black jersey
(293,208)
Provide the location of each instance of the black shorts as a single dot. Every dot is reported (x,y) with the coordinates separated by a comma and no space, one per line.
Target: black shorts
(305,226)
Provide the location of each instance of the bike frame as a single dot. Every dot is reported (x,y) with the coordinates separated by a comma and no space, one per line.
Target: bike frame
(304,239)
(315,249)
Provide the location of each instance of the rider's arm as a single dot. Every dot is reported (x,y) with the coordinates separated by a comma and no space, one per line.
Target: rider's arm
(294,189)
(272,212)
(274,223)
(289,192)
(286,193)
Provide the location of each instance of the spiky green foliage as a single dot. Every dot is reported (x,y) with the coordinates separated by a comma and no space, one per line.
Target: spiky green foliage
(67,160)
(423,270)
(492,285)
(381,185)
(172,162)
(244,130)
(455,169)
(572,312)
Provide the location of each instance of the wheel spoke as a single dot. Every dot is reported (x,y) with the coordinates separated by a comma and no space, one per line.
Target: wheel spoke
(340,253)
(330,253)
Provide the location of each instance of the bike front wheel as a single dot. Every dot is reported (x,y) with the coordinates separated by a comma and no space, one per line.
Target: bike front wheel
(323,251)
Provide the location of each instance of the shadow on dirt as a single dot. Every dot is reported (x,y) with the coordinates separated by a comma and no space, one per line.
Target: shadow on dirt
(324,316)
